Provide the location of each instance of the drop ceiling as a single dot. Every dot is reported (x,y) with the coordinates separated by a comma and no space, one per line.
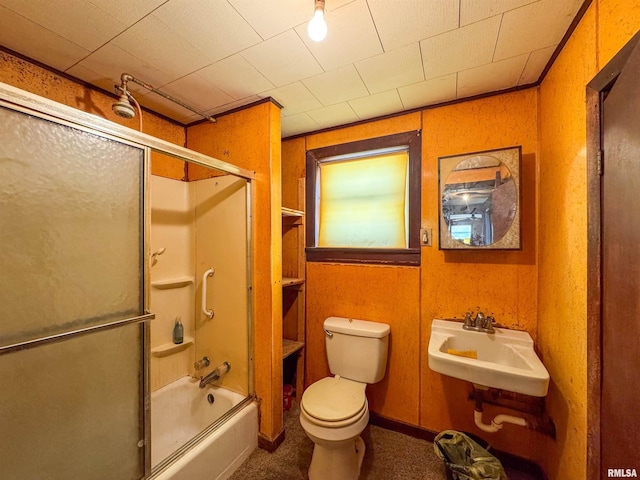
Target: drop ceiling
(379,57)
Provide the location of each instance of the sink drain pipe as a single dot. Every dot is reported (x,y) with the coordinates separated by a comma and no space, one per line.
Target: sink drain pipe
(497,423)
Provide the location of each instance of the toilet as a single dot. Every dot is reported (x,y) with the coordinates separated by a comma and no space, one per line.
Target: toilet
(334,411)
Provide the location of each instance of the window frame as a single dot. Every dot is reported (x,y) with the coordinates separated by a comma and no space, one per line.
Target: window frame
(409,256)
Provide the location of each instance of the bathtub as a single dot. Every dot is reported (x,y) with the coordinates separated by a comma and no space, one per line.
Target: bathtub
(193,439)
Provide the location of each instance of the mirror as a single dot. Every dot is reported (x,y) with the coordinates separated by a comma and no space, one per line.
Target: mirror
(479,200)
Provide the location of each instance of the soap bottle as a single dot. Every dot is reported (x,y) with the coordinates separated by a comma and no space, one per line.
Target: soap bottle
(178,332)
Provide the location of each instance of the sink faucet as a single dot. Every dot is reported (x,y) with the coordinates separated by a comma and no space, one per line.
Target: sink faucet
(215,375)
(482,322)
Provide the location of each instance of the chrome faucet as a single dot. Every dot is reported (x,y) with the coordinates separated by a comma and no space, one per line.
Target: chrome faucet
(217,374)
(482,323)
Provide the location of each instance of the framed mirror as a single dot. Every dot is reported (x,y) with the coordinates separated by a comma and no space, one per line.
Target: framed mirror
(480,200)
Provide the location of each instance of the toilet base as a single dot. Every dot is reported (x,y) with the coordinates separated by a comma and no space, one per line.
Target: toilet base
(339,462)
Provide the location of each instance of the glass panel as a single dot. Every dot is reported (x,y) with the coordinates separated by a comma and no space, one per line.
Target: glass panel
(71,409)
(364,203)
(71,228)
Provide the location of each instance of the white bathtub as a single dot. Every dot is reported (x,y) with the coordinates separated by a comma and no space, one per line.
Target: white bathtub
(180,412)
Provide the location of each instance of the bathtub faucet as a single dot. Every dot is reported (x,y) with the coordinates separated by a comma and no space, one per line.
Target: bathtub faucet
(217,374)
(202,363)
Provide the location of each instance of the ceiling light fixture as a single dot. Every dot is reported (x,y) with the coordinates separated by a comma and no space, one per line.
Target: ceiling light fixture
(317,27)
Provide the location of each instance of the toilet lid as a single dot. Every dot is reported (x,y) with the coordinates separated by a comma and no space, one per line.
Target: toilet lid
(333,399)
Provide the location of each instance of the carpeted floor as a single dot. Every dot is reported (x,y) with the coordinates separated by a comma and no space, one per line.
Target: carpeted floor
(389,455)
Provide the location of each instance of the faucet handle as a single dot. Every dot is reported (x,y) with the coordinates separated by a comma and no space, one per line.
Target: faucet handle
(468,322)
(488,323)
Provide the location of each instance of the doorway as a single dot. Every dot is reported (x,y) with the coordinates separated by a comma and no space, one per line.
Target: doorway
(613,102)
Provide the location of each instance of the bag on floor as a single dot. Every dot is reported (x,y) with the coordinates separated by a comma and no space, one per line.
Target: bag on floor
(465,459)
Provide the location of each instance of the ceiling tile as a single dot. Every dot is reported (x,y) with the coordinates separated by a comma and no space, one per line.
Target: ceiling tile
(393,69)
(460,49)
(161,47)
(78,21)
(351,37)
(333,115)
(111,62)
(213,26)
(472,11)
(429,92)
(380,56)
(336,86)
(283,59)
(409,21)
(237,77)
(375,105)
(196,92)
(126,11)
(269,18)
(94,78)
(536,63)
(34,41)
(294,98)
(539,25)
(296,124)
(492,77)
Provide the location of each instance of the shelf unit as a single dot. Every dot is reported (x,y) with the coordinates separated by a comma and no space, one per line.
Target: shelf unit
(293,287)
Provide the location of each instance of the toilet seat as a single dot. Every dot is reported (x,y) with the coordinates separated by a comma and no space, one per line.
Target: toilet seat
(334,402)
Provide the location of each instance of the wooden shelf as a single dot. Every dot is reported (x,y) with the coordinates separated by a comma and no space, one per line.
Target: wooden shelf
(289,347)
(293,286)
(170,348)
(290,212)
(172,283)
(290,282)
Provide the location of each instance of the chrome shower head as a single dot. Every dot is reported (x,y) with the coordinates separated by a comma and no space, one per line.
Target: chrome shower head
(123,107)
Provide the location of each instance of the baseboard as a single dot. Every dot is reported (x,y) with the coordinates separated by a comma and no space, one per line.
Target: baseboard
(507,459)
(270,445)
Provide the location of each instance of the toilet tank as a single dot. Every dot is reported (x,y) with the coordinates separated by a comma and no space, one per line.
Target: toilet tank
(357,349)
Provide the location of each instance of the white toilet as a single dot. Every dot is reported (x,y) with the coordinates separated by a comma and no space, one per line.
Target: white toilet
(334,410)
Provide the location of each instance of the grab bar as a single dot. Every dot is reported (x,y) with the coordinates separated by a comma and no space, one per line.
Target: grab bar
(205,310)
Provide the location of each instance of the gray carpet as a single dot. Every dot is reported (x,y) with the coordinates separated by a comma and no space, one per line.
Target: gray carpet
(389,456)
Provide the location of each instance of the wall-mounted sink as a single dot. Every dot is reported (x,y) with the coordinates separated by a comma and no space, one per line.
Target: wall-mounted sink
(505,359)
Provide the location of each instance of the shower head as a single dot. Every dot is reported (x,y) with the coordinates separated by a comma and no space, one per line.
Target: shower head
(123,107)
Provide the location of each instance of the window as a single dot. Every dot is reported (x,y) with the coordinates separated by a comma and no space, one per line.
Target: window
(363,201)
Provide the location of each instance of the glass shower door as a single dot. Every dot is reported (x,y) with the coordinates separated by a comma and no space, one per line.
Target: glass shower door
(72,375)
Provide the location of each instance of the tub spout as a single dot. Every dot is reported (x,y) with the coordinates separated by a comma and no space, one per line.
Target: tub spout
(217,374)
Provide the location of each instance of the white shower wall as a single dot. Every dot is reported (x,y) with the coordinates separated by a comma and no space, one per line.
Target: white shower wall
(201,224)
(172,228)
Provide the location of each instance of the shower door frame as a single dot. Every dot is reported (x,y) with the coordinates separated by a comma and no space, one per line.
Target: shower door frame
(28,103)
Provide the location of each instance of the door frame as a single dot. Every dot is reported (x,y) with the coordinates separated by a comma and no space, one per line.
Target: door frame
(595,94)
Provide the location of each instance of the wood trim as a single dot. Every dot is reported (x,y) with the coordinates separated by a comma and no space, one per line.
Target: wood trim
(594,292)
(595,93)
(237,109)
(507,459)
(270,445)
(409,256)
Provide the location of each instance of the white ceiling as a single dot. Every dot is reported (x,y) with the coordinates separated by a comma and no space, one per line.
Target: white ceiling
(380,56)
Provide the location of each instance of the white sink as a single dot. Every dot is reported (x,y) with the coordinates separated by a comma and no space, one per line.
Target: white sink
(505,359)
